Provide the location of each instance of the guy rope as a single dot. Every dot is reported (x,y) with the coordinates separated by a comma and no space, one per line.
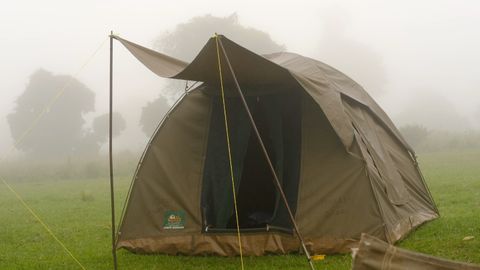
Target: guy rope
(229,153)
(27,132)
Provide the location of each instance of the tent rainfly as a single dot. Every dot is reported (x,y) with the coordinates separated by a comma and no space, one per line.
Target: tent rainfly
(374,254)
(343,166)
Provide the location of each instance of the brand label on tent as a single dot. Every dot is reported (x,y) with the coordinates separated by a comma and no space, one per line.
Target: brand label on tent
(174,220)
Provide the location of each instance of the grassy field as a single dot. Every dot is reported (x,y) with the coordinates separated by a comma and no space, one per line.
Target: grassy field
(78,213)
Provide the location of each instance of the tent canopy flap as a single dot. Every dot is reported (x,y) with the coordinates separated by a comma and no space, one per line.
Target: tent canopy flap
(160,64)
(286,69)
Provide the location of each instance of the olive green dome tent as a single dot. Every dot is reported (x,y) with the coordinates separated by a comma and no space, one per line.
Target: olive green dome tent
(342,164)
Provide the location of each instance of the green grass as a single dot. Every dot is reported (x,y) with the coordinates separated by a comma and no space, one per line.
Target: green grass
(79,214)
(454,181)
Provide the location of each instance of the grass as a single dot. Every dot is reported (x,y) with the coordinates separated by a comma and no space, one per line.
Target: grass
(79,214)
(454,180)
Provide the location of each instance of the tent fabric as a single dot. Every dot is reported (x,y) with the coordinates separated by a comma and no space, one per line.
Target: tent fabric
(375,254)
(401,192)
(179,169)
(277,68)
(343,164)
(160,64)
(307,70)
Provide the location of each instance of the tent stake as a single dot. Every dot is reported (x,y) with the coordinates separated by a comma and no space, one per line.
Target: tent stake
(110,157)
(267,157)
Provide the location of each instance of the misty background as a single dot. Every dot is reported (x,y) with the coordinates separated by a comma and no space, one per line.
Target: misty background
(418,59)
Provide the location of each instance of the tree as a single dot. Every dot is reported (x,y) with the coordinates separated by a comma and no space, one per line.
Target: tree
(414,134)
(477,117)
(59,131)
(93,139)
(433,111)
(100,126)
(186,40)
(354,58)
(152,114)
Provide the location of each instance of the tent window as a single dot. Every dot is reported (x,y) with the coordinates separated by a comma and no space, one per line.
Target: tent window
(277,117)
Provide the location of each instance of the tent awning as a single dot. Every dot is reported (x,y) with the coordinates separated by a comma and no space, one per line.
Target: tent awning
(324,83)
(249,67)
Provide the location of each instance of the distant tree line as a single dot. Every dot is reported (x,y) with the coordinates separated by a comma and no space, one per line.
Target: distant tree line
(425,140)
(63,132)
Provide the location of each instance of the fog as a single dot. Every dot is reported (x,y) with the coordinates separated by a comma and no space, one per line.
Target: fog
(418,59)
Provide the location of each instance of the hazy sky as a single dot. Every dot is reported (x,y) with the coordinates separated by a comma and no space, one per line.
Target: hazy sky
(429,46)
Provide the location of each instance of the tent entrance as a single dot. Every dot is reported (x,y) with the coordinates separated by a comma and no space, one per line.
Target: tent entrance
(256,197)
(278,119)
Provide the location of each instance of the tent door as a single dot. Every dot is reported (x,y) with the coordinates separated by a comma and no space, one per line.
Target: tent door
(278,118)
(257,194)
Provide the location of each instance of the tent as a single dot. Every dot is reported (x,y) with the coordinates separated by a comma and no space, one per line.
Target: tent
(374,254)
(344,167)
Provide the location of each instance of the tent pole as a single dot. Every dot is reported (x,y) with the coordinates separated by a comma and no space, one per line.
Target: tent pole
(267,157)
(110,156)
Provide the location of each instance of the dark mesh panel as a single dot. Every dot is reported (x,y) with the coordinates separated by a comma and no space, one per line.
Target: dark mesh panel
(278,118)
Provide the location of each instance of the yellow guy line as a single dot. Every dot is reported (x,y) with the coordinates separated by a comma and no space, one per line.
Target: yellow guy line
(229,151)
(45,110)
(45,226)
